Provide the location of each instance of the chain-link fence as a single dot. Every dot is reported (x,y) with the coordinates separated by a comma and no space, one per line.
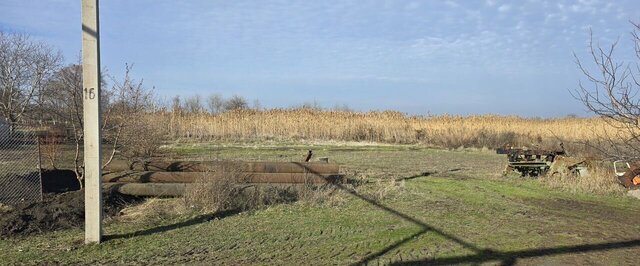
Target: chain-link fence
(20,172)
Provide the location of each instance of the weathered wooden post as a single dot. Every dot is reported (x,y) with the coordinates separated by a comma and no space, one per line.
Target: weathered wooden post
(91,114)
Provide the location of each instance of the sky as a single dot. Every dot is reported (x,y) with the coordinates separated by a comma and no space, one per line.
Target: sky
(418,57)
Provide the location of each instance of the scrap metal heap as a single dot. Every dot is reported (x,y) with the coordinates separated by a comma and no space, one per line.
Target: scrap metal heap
(628,174)
(530,162)
(538,162)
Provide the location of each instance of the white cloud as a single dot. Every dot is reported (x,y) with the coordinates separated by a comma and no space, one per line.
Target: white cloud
(555,17)
(504,8)
(451,3)
(621,14)
(412,5)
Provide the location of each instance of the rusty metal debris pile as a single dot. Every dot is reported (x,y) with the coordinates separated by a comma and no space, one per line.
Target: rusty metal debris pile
(538,162)
(530,162)
(628,174)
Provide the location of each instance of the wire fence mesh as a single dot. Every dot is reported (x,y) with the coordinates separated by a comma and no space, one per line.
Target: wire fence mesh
(20,172)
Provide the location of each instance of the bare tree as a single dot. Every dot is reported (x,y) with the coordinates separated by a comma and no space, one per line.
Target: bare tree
(25,66)
(342,108)
(612,92)
(235,103)
(125,125)
(215,103)
(176,105)
(311,105)
(124,106)
(257,105)
(63,102)
(193,104)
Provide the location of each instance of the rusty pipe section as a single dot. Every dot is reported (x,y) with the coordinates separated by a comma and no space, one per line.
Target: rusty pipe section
(225,166)
(239,177)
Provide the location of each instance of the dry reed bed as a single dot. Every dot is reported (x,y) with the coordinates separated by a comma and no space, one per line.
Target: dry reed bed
(386,127)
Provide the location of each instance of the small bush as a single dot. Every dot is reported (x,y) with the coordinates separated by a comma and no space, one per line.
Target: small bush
(229,190)
(214,191)
(253,197)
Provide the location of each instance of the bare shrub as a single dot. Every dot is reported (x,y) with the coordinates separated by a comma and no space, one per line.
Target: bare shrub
(213,192)
(124,125)
(142,140)
(260,196)
(51,149)
(228,190)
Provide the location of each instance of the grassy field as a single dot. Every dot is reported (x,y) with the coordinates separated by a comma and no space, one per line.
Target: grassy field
(418,205)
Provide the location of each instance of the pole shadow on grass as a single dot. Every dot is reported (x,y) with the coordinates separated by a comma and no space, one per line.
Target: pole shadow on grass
(425,228)
(481,255)
(511,257)
(165,228)
(428,173)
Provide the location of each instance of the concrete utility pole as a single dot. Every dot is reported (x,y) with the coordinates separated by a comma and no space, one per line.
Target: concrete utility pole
(91,113)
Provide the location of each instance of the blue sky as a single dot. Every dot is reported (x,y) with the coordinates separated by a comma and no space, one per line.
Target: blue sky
(419,57)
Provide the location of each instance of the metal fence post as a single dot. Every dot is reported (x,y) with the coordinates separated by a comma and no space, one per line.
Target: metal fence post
(40,168)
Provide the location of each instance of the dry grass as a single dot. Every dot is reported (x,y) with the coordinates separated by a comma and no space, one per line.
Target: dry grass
(384,188)
(324,195)
(229,190)
(382,127)
(153,211)
(213,192)
(601,180)
(221,191)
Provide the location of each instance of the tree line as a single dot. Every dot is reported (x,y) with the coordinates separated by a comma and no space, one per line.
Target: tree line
(214,104)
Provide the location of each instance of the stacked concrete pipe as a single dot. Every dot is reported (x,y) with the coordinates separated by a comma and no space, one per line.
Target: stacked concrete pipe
(171,178)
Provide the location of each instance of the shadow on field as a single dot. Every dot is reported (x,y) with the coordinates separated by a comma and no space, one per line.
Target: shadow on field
(481,255)
(193,221)
(428,173)
(511,257)
(425,228)
(423,174)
